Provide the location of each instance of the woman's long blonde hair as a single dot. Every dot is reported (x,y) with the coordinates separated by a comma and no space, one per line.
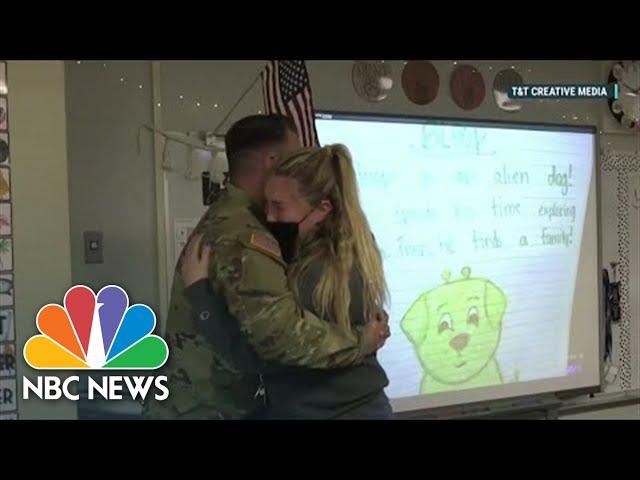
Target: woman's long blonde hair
(343,243)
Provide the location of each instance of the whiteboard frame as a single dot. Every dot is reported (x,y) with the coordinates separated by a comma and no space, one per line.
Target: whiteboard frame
(515,401)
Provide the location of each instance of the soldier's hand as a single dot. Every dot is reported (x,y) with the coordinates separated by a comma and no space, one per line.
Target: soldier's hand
(376,332)
(195,261)
(381,316)
(384,331)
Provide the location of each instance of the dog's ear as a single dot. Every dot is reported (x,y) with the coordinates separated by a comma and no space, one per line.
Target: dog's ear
(495,304)
(415,322)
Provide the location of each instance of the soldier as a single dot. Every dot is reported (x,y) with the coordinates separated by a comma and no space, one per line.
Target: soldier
(249,272)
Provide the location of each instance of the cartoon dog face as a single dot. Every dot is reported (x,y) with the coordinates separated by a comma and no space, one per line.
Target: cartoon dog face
(456,327)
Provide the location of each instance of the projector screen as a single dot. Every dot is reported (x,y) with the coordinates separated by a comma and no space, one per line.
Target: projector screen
(489,235)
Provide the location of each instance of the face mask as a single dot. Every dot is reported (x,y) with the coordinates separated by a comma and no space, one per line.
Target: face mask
(286,233)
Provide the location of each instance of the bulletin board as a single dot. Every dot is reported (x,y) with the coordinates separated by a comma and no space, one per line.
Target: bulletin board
(8,350)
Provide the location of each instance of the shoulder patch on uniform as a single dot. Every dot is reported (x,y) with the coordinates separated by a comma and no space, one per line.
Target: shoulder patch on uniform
(266,244)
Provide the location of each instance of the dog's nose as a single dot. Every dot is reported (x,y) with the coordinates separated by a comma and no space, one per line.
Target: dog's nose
(459,342)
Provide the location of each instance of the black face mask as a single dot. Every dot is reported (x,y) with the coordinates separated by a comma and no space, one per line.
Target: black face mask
(286,233)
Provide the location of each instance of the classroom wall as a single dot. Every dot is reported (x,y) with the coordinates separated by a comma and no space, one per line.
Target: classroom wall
(111,187)
(39,187)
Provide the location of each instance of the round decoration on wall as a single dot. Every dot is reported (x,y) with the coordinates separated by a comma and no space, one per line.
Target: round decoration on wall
(626,109)
(420,81)
(467,87)
(501,84)
(372,80)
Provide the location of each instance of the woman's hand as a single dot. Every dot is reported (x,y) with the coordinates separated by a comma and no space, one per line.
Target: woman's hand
(195,261)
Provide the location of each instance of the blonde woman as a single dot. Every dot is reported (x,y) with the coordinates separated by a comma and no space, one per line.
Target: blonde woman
(335,268)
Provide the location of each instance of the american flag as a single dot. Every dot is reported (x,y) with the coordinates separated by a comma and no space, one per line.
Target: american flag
(287,91)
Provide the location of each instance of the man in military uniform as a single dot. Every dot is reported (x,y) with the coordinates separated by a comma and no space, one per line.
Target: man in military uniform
(248,270)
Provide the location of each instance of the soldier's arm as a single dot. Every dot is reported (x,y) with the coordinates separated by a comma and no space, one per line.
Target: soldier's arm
(253,281)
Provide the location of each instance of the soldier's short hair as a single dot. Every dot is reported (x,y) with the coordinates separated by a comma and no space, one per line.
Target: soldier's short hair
(252,133)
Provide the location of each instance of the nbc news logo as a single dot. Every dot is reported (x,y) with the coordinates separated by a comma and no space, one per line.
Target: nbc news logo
(96,332)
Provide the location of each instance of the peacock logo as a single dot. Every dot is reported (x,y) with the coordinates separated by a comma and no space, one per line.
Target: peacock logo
(96,331)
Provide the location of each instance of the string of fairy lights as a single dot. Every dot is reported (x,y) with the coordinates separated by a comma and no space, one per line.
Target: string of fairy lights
(569,116)
(195,102)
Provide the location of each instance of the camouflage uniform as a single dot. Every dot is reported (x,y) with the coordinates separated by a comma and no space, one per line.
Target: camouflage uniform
(247,269)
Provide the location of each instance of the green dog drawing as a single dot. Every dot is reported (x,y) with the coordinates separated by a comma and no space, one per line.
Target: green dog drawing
(455,329)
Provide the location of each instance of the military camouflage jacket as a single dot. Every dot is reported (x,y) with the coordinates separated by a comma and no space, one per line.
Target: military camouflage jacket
(247,269)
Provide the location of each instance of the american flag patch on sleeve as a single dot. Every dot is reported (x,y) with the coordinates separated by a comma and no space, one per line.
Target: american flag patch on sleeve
(265,244)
